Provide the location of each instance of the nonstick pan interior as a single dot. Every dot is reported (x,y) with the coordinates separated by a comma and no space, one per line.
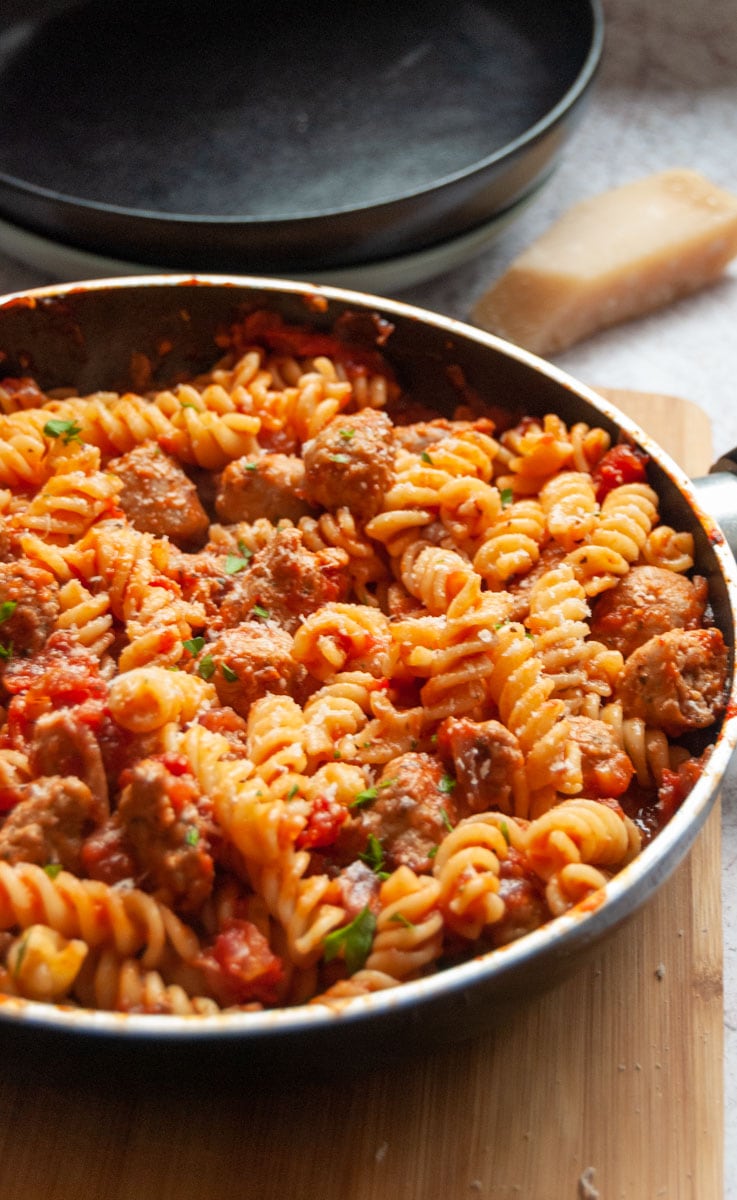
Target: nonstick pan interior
(282,135)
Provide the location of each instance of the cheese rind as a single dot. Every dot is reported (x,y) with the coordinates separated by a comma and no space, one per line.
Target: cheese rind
(611,258)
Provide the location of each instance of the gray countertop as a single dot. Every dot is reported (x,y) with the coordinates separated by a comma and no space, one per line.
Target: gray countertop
(666,95)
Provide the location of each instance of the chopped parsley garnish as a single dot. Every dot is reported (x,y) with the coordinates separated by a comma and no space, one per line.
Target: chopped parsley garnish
(52,869)
(446,820)
(367,796)
(293,791)
(21,955)
(347,434)
(402,920)
(68,431)
(339,458)
(426,457)
(228,673)
(188,404)
(235,562)
(506,496)
(7,608)
(206,667)
(251,466)
(432,852)
(192,836)
(353,940)
(446,785)
(373,856)
(194,645)
(505,832)
(6,651)
(259,611)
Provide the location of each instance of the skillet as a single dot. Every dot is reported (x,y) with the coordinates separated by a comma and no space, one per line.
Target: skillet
(282,137)
(84,335)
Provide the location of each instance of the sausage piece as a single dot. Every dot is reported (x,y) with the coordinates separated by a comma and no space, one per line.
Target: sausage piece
(162,824)
(605,768)
(64,745)
(288,581)
(249,661)
(29,607)
(676,681)
(50,823)
(157,496)
(270,486)
(646,602)
(486,760)
(351,461)
(410,815)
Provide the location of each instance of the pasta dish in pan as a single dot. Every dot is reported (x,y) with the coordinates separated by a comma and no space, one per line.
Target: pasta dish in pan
(307,693)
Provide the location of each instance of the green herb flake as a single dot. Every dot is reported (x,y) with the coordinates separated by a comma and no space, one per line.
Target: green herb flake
(192,836)
(194,645)
(402,920)
(229,673)
(506,496)
(446,785)
(251,466)
(206,667)
(234,563)
(7,608)
(6,652)
(353,941)
(259,611)
(426,457)
(373,856)
(347,434)
(21,955)
(293,791)
(68,431)
(432,852)
(339,458)
(52,869)
(188,404)
(446,820)
(364,798)
(505,832)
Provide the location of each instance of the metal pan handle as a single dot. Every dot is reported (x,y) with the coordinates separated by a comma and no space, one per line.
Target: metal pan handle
(718,493)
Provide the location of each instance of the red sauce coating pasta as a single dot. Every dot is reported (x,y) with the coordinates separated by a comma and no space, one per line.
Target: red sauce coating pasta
(303,698)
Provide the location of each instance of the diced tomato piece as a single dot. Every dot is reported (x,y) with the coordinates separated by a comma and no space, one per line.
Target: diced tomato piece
(622,464)
(326,818)
(241,965)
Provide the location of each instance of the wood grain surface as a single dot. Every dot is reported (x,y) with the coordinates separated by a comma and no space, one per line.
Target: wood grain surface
(608,1087)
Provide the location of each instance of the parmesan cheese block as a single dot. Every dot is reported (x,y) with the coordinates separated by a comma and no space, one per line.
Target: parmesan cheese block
(611,258)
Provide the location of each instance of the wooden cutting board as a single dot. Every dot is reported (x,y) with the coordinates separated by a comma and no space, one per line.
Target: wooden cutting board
(609,1087)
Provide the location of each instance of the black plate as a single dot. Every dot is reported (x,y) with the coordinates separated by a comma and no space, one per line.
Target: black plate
(282,136)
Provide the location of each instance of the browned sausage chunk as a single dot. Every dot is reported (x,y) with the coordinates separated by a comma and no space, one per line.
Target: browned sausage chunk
(50,823)
(249,661)
(646,602)
(162,823)
(29,606)
(486,760)
(605,768)
(288,581)
(351,461)
(270,486)
(676,681)
(62,745)
(410,815)
(522,891)
(158,498)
